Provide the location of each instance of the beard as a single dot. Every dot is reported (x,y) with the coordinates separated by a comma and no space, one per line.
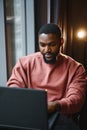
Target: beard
(52,60)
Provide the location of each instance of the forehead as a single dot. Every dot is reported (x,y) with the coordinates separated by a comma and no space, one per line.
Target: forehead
(48,37)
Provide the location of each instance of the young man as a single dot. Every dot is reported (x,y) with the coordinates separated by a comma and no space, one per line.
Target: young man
(62,77)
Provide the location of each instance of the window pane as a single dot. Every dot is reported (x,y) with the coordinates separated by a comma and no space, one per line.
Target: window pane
(15,31)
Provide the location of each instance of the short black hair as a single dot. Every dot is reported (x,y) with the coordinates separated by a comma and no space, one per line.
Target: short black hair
(50,28)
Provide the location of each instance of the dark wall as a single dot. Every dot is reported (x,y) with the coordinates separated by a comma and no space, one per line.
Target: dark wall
(40,10)
(78,20)
(72,17)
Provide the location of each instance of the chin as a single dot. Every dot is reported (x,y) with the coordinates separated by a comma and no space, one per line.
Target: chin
(50,61)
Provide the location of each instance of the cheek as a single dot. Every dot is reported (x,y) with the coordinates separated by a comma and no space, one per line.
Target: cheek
(56,49)
(41,49)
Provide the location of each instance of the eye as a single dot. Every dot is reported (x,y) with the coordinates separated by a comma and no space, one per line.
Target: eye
(53,44)
(42,44)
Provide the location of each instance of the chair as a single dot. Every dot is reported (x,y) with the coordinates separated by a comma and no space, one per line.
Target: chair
(83,116)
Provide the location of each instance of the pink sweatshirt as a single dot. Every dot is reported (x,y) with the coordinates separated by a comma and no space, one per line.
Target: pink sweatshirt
(65,81)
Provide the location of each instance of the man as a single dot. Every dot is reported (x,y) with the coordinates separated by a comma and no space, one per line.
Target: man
(62,77)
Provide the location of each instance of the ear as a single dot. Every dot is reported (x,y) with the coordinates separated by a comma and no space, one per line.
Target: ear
(61,44)
(62,41)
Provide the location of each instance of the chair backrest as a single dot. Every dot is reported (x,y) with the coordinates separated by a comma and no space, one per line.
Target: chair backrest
(83,116)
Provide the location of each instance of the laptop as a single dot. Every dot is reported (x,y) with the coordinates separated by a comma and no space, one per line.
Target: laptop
(22,108)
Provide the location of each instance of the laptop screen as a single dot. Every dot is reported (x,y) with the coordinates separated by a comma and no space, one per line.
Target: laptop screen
(22,108)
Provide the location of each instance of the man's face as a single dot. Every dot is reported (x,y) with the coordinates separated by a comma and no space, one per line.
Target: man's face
(49,45)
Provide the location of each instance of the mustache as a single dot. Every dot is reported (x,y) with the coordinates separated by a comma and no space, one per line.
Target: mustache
(48,53)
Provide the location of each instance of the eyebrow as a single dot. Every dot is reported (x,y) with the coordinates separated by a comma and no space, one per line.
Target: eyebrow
(51,43)
(48,43)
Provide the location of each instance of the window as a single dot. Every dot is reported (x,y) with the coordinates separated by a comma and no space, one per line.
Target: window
(15,31)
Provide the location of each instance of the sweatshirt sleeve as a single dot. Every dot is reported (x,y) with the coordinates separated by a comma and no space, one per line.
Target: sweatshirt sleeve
(18,77)
(76,91)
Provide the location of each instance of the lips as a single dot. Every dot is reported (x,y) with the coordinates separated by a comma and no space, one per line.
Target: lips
(48,56)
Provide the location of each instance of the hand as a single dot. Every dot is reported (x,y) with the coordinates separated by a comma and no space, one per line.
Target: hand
(53,106)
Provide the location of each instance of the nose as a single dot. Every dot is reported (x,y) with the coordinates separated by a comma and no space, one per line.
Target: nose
(47,49)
